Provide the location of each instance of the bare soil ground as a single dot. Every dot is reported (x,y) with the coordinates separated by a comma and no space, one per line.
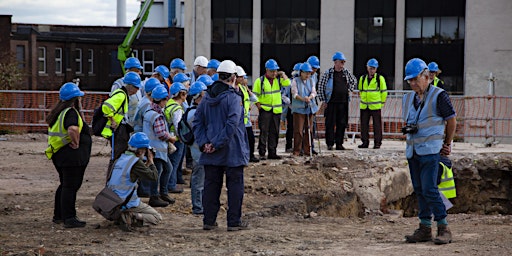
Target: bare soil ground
(293,209)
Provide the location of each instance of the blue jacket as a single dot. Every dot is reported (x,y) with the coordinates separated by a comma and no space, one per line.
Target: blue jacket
(219,119)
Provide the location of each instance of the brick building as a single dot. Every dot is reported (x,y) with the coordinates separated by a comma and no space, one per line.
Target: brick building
(51,55)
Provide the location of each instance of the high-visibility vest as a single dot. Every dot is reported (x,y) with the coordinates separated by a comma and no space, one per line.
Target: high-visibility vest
(120,181)
(374,93)
(269,95)
(247,102)
(171,107)
(447,185)
(58,137)
(437,80)
(114,106)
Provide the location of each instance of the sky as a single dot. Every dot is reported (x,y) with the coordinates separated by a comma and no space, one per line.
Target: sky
(68,12)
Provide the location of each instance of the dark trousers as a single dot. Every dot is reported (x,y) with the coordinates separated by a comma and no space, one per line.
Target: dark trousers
(213,179)
(336,116)
(289,129)
(268,122)
(377,126)
(252,141)
(65,197)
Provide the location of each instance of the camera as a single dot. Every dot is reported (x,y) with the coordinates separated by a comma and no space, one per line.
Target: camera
(410,129)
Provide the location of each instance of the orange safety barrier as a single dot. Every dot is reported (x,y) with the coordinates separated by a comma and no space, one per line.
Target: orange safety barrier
(485,117)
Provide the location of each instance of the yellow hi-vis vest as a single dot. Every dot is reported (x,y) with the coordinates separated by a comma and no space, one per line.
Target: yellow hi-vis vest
(269,95)
(437,80)
(58,136)
(247,102)
(374,93)
(114,106)
(447,185)
(169,110)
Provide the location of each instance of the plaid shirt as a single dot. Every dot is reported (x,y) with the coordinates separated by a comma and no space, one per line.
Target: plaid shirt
(160,127)
(328,74)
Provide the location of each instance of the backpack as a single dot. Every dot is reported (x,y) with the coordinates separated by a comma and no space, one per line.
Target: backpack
(185,132)
(99,120)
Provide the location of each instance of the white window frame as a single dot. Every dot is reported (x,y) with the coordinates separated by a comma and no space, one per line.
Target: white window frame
(135,53)
(58,60)
(78,60)
(90,60)
(41,59)
(148,71)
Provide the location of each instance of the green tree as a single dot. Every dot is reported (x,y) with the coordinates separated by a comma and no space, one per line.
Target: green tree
(11,77)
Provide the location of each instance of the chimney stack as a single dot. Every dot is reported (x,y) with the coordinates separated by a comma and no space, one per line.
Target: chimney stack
(121,13)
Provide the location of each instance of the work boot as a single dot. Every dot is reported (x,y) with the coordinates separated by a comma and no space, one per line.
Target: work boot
(444,235)
(422,234)
(155,201)
(167,198)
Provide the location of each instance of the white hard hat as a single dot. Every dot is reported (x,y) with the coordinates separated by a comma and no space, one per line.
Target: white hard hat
(240,71)
(227,66)
(201,61)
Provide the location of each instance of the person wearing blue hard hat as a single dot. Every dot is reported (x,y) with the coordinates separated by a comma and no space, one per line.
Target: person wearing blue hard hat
(430,124)
(287,115)
(127,170)
(131,64)
(212,66)
(434,71)
(373,93)
(144,103)
(220,134)
(315,65)
(205,79)
(270,105)
(69,148)
(248,98)
(155,126)
(303,108)
(334,88)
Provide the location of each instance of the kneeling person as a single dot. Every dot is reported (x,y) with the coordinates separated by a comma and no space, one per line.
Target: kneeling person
(128,168)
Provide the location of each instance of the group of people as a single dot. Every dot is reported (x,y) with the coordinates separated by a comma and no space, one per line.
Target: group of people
(143,117)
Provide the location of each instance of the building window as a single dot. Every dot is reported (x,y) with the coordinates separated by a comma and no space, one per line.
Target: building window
(135,53)
(232,30)
(78,60)
(90,60)
(290,31)
(58,60)
(41,60)
(20,56)
(148,61)
(434,30)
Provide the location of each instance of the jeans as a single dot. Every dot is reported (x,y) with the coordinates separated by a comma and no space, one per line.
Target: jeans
(65,197)
(423,171)
(176,160)
(213,180)
(196,181)
(164,171)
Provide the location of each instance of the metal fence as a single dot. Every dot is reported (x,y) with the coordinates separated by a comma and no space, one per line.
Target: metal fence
(487,118)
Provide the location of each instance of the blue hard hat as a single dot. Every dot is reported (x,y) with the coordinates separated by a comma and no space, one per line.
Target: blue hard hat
(139,140)
(296,67)
(213,63)
(69,90)
(163,71)
(414,67)
(372,63)
(178,63)
(159,93)
(338,56)
(314,61)
(433,67)
(306,67)
(205,79)
(215,77)
(177,87)
(196,87)
(132,78)
(271,64)
(151,84)
(180,78)
(132,62)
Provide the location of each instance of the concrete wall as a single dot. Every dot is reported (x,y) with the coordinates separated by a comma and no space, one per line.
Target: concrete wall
(488,46)
(198,30)
(336,31)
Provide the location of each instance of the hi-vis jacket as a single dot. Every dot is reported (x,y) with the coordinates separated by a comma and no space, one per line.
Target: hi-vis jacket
(58,137)
(120,181)
(373,94)
(269,95)
(114,107)
(447,185)
(437,81)
(429,138)
(169,110)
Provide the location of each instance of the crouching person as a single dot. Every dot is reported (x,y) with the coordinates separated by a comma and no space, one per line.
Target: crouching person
(129,168)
